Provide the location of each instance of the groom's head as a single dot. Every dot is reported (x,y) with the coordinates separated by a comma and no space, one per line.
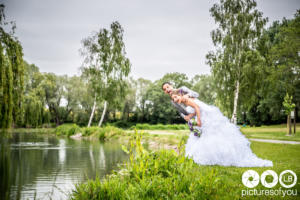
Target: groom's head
(167,87)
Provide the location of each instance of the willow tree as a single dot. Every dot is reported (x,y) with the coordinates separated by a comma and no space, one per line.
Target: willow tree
(11,75)
(105,66)
(240,25)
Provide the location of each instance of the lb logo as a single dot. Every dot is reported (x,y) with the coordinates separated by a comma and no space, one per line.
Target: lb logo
(287,178)
(284,177)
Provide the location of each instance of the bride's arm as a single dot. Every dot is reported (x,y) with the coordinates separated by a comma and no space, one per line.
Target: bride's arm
(189,116)
(192,103)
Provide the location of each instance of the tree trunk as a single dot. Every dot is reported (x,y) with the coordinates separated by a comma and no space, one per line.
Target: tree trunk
(295,120)
(114,115)
(103,114)
(235,104)
(289,124)
(294,126)
(92,114)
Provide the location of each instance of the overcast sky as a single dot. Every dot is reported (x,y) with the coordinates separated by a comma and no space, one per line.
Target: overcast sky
(161,36)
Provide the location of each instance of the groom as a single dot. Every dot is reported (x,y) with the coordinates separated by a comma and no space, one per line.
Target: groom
(168,89)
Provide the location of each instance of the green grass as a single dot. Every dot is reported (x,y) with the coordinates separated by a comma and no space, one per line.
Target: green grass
(165,175)
(159,127)
(67,130)
(276,132)
(94,132)
(31,130)
(164,132)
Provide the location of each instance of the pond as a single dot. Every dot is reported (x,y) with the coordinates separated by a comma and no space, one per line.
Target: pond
(35,166)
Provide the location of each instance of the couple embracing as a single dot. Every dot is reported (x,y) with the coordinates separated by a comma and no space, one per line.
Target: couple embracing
(213,140)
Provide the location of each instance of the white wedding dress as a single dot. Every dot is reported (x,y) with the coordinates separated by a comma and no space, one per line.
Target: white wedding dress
(221,142)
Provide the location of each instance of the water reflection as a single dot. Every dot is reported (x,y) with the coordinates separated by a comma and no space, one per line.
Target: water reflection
(42,167)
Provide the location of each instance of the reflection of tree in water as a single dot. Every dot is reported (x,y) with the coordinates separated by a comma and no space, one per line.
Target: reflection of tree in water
(29,164)
(5,181)
(26,170)
(102,159)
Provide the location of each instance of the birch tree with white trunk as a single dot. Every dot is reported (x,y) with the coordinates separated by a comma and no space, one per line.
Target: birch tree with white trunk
(106,66)
(240,25)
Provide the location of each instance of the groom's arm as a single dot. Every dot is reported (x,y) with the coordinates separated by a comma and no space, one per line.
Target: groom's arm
(180,108)
(189,116)
(183,112)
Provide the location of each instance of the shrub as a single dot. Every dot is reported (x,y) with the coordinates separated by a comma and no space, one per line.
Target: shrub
(73,130)
(87,131)
(67,129)
(159,127)
(155,175)
(111,131)
(122,124)
(102,133)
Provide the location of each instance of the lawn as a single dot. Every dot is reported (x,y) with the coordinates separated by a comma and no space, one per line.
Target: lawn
(276,132)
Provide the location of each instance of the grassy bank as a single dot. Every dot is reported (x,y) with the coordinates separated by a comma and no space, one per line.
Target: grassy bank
(159,127)
(31,130)
(166,175)
(102,133)
(161,134)
(276,132)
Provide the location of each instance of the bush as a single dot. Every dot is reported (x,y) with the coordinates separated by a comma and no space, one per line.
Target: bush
(122,124)
(67,129)
(87,131)
(102,133)
(111,131)
(73,130)
(159,127)
(155,175)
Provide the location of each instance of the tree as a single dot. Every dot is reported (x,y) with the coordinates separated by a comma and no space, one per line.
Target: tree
(285,56)
(240,25)
(72,91)
(34,100)
(158,103)
(289,106)
(105,65)
(204,85)
(279,46)
(11,75)
(143,86)
(129,101)
(52,88)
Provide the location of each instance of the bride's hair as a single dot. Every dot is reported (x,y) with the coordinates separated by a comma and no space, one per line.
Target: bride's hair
(175,92)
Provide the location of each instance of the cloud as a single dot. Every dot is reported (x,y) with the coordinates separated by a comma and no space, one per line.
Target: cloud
(160,36)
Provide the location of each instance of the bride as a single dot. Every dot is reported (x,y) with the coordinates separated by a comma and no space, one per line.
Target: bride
(221,142)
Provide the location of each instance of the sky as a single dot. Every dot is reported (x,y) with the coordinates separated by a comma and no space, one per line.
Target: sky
(160,36)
